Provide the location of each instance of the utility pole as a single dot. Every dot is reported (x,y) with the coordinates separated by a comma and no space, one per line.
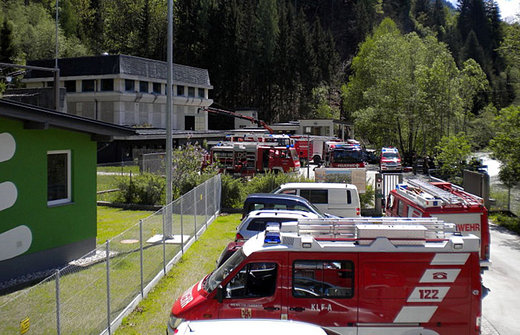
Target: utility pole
(169,111)
(56,68)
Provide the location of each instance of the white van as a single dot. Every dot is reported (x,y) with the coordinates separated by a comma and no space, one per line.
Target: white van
(334,198)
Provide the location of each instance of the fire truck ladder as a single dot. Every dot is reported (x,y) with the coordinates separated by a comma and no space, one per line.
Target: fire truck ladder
(348,228)
(446,196)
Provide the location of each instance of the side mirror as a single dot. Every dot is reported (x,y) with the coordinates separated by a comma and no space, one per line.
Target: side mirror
(220,294)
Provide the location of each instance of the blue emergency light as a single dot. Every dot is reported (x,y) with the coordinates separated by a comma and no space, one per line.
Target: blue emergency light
(272,233)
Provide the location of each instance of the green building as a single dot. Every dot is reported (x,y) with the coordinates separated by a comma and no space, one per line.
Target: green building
(47,186)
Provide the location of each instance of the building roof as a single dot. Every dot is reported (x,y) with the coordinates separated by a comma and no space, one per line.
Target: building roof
(121,65)
(41,118)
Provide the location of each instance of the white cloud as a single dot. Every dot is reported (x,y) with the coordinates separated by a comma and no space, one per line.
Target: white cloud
(508,8)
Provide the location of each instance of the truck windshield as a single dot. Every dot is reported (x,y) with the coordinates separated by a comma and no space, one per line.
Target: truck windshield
(224,270)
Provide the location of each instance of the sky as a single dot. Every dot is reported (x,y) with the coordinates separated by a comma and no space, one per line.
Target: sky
(508,8)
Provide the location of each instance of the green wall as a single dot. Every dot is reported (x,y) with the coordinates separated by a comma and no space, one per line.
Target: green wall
(27,169)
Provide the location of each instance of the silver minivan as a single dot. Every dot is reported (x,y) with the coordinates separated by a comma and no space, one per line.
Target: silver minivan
(334,198)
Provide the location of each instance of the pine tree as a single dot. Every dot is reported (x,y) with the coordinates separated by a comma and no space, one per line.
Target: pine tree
(7,48)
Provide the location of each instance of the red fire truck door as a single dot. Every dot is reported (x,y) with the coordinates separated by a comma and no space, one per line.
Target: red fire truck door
(322,289)
(256,290)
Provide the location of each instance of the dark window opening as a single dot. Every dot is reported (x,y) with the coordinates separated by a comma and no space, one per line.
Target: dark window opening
(189,122)
(143,86)
(88,85)
(58,190)
(157,88)
(107,85)
(70,86)
(129,85)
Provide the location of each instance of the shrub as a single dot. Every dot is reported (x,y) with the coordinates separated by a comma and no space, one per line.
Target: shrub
(266,183)
(367,199)
(233,192)
(510,222)
(144,189)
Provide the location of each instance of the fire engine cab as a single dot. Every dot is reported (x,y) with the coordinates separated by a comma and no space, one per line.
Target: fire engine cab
(350,276)
(447,202)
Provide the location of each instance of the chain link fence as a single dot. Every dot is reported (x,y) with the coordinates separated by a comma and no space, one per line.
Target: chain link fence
(93,294)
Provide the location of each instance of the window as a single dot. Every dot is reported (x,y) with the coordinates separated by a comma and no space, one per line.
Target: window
(200,92)
(129,85)
(323,278)
(70,86)
(143,86)
(107,84)
(58,177)
(88,85)
(260,224)
(254,280)
(191,91)
(180,90)
(349,197)
(401,209)
(156,88)
(316,196)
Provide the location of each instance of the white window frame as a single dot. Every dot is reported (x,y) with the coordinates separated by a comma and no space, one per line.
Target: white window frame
(68,199)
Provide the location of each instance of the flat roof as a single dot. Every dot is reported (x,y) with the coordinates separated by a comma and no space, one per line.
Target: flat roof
(120,64)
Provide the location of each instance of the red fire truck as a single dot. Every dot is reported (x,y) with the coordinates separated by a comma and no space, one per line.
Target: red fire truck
(312,147)
(249,158)
(447,202)
(350,276)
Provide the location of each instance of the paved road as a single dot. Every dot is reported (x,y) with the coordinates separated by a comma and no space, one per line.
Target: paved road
(501,308)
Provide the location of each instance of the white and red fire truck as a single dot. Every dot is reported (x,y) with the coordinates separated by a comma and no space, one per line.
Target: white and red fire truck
(249,158)
(447,202)
(350,276)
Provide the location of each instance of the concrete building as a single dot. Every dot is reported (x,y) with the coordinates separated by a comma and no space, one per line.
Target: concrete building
(127,90)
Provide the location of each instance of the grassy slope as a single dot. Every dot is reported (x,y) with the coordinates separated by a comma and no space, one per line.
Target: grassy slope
(113,221)
(151,315)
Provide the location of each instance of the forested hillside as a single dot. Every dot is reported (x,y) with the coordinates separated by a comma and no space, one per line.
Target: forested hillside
(302,58)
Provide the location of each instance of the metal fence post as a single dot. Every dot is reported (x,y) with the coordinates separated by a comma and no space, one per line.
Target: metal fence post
(182,226)
(108,285)
(58,324)
(141,255)
(195,210)
(167,209)
(206,203)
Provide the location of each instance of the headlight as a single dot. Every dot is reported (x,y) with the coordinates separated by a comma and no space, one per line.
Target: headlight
(173,323)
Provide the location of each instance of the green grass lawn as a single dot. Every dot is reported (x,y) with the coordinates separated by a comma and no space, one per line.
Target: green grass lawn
(151,316)
(113,221)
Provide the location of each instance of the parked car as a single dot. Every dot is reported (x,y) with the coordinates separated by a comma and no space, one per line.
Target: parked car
(335,198)
(239,326)
(256,221)
(257,201)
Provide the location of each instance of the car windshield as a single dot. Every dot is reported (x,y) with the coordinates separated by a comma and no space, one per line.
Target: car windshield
(224,270)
